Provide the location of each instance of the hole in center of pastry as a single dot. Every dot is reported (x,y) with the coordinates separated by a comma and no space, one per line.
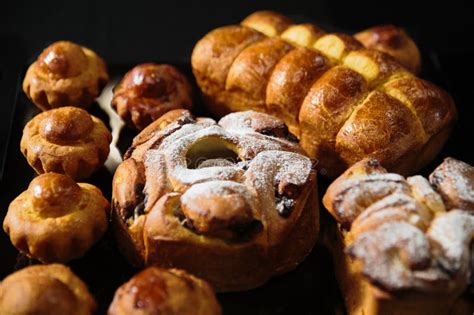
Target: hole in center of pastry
(211,152)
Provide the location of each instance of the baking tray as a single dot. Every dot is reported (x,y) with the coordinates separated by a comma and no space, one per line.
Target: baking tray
(310,289)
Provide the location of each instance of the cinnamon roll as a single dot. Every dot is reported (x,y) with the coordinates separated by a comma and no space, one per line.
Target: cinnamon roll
(232,202)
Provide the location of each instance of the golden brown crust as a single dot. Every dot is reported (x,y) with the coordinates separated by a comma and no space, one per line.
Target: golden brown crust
(66,140)
(164,291)
(327,106)
(226,201)
(267,76)
(212,58)
(65,74)
(394,41)
(382,128)
(45,290)
(267,22)
(249,74)
(402,243)
(289,84)
(56,220)
(148,91)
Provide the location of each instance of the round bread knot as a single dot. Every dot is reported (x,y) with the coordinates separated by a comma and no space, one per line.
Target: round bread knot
(52,194)
(66,124)
(63,59)
(218,208)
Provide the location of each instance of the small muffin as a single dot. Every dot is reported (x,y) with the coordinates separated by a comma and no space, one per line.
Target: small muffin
(165,292)
(65,74)
(66,140)
(56,219)
(148,91)
(45,290)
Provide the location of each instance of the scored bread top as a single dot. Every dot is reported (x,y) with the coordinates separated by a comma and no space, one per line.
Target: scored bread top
(343,101)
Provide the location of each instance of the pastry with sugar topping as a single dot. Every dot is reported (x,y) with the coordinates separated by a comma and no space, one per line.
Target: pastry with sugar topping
(233,202)
(56,219)
(65,74)
(403,244)
(66,140)
(165,292)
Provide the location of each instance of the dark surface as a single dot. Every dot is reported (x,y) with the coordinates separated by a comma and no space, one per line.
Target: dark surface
(133,32)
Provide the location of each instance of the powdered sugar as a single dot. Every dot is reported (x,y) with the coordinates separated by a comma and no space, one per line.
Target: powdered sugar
(389,251)
(392,213)
(266,156)
(453,232)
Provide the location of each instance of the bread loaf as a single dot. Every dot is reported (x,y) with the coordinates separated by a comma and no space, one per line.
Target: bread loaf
(343,101)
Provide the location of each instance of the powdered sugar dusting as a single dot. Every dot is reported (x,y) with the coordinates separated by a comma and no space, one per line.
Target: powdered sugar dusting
(216,188)
(391,214)
(389,250)
(273,159)
(454,232)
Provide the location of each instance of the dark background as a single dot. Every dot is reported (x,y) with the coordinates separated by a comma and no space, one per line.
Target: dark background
(130,32)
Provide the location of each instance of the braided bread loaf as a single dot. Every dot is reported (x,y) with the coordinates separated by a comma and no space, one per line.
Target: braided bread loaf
(405,245)
(233,203)
(344,102)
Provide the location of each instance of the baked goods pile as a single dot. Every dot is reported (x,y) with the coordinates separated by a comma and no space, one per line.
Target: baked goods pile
(225,205)
(233,202)
(404,244)
(343,101)
(57,220)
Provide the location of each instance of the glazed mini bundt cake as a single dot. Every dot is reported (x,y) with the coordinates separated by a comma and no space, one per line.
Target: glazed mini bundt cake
(165,292)
(45,290)
(404,245)
(65,74)
(232,202)
(56,219)
(66,140)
